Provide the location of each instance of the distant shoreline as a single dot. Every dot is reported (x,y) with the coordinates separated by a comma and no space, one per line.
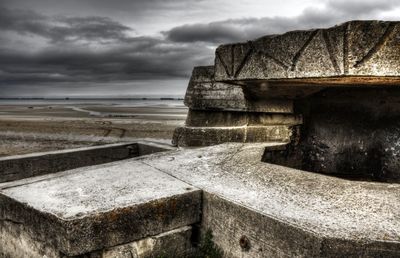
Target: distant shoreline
(125,102)
(33,125)
(68,98)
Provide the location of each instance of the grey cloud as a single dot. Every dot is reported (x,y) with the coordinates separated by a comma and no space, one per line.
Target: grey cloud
(243,29)
(59,28)
(142,58)
(332,13)
(113,8)
(361,7)
(88,28)
(69,58)
(214,32)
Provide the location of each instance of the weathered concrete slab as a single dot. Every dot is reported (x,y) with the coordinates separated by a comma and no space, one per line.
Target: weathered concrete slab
(285,212)
(355,52)
(174,243)
(203,93)
(206,136)
(200,118)
(89,209)
(149,147)
(29,165)
(254,209)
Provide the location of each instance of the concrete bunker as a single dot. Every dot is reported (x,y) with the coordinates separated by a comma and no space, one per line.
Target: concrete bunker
(332,97)
(324,100)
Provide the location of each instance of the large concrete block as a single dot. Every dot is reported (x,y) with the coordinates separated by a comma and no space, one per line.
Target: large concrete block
(256,209)
(273,133)
(205,136)
(353,49)
(174,243)
(78,212)
(241,232)
(203,118)
(203,93)
(245,233)
(35,164)
(28,165)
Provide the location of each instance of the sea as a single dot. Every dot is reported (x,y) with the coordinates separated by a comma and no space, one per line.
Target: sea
(121,102)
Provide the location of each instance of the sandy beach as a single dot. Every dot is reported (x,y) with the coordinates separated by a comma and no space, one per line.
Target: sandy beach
(33,127)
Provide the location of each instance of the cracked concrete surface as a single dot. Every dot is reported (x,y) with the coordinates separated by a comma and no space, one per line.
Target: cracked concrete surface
(282,211)
(80,211)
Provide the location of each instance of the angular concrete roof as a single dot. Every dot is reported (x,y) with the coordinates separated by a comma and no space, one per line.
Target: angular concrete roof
(360,49)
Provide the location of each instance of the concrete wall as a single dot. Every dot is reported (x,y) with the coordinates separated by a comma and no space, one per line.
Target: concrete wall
(23,166)
(174,243)
(221,112)
(242,232)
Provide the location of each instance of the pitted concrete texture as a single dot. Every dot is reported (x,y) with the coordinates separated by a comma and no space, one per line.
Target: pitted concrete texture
(76,212)
(269,74)
(205,136)
(29,165)
(203,93)
(285,212)
(353,49)
(201,118)
(222,112)
(174,243)
(254,209)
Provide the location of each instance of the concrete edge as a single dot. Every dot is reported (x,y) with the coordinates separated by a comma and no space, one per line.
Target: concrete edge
(114,227)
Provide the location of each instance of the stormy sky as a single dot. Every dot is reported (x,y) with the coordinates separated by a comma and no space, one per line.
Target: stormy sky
(125,48)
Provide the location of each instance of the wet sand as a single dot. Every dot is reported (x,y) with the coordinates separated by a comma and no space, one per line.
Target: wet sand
(34,128)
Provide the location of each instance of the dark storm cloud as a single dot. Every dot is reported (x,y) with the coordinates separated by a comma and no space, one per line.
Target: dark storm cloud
(59,28)
(142,58)
(89,28)
(245,29)
(214,32)
(68,59)
(81,49)
(125,10)
(132,6)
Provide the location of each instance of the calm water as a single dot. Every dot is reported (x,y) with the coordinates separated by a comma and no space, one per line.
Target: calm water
(115,102)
